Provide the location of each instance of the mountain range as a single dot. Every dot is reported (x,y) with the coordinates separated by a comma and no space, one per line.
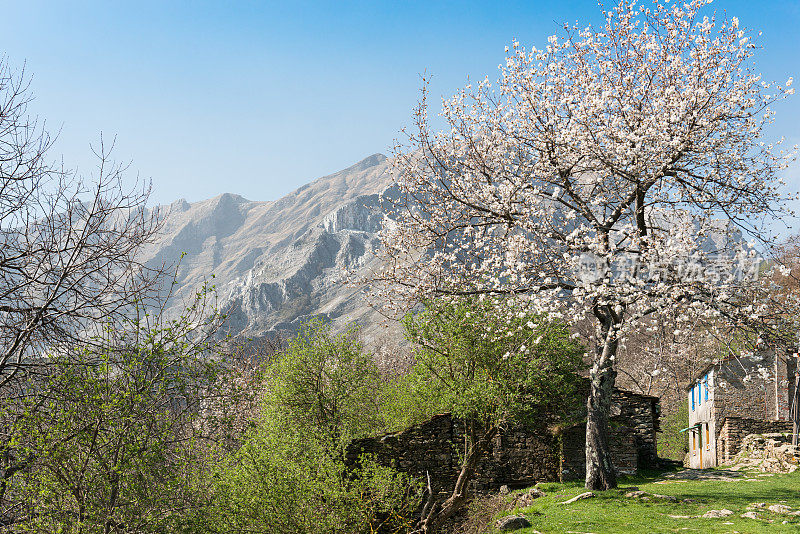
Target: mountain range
(276,264)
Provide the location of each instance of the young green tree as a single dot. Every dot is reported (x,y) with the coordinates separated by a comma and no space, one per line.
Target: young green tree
(290,475)
(326,382)
(492,367)
(672,443)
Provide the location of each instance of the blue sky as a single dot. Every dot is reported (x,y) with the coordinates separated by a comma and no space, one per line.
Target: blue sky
(257,98)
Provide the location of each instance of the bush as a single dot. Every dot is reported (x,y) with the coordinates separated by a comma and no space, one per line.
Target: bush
(285,480)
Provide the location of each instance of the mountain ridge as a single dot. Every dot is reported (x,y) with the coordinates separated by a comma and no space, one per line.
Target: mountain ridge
(276,264)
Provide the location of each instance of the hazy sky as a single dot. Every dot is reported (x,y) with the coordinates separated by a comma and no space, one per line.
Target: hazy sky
(257,98)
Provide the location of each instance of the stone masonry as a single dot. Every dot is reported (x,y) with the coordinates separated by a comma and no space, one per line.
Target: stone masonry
(634,423)
(520,456)
(624,454)
(735,429)
(641,413)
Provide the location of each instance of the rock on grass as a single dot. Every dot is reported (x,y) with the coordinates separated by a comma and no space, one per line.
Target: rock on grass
(512,522)
(713,514)
(587,495)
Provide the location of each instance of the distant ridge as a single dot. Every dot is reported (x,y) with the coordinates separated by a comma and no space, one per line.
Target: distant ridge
(278,263)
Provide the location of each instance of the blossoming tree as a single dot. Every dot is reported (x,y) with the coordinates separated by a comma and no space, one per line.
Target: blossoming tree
(612,175)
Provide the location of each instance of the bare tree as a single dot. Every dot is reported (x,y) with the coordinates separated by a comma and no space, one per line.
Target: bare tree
(68,246)
(611,175)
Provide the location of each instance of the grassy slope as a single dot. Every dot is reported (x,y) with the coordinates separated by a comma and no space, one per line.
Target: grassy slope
(611,512)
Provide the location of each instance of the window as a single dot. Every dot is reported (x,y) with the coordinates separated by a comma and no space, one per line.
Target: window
(706,383)
(692,398)
(708,440)
(699,393)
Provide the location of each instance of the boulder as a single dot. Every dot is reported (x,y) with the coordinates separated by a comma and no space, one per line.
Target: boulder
(526,498)
(512,522)
(643,495)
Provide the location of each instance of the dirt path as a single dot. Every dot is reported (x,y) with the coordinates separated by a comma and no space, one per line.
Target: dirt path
(704,474)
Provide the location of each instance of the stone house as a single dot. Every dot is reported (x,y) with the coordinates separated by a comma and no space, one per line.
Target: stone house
(734,397)
(520,456)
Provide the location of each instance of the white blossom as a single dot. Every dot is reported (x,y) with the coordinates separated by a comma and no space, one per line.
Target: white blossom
(633,152)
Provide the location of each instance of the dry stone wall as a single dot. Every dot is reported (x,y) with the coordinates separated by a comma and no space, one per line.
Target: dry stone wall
(520,456)
(642,414)
(735,429)
(634,423)
(624,454)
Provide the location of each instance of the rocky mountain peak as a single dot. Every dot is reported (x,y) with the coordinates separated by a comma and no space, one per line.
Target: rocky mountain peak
(278,263)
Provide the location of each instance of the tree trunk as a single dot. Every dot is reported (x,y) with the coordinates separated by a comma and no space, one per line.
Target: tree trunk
(600,474)
(435,515)
(795,409)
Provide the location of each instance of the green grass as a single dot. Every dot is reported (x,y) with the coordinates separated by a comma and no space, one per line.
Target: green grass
(611,512)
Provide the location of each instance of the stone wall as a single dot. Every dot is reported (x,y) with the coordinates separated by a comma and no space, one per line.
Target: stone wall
(641,413)
(634,423)
(734,429)
(520,456)
(624,454)
(785,366)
